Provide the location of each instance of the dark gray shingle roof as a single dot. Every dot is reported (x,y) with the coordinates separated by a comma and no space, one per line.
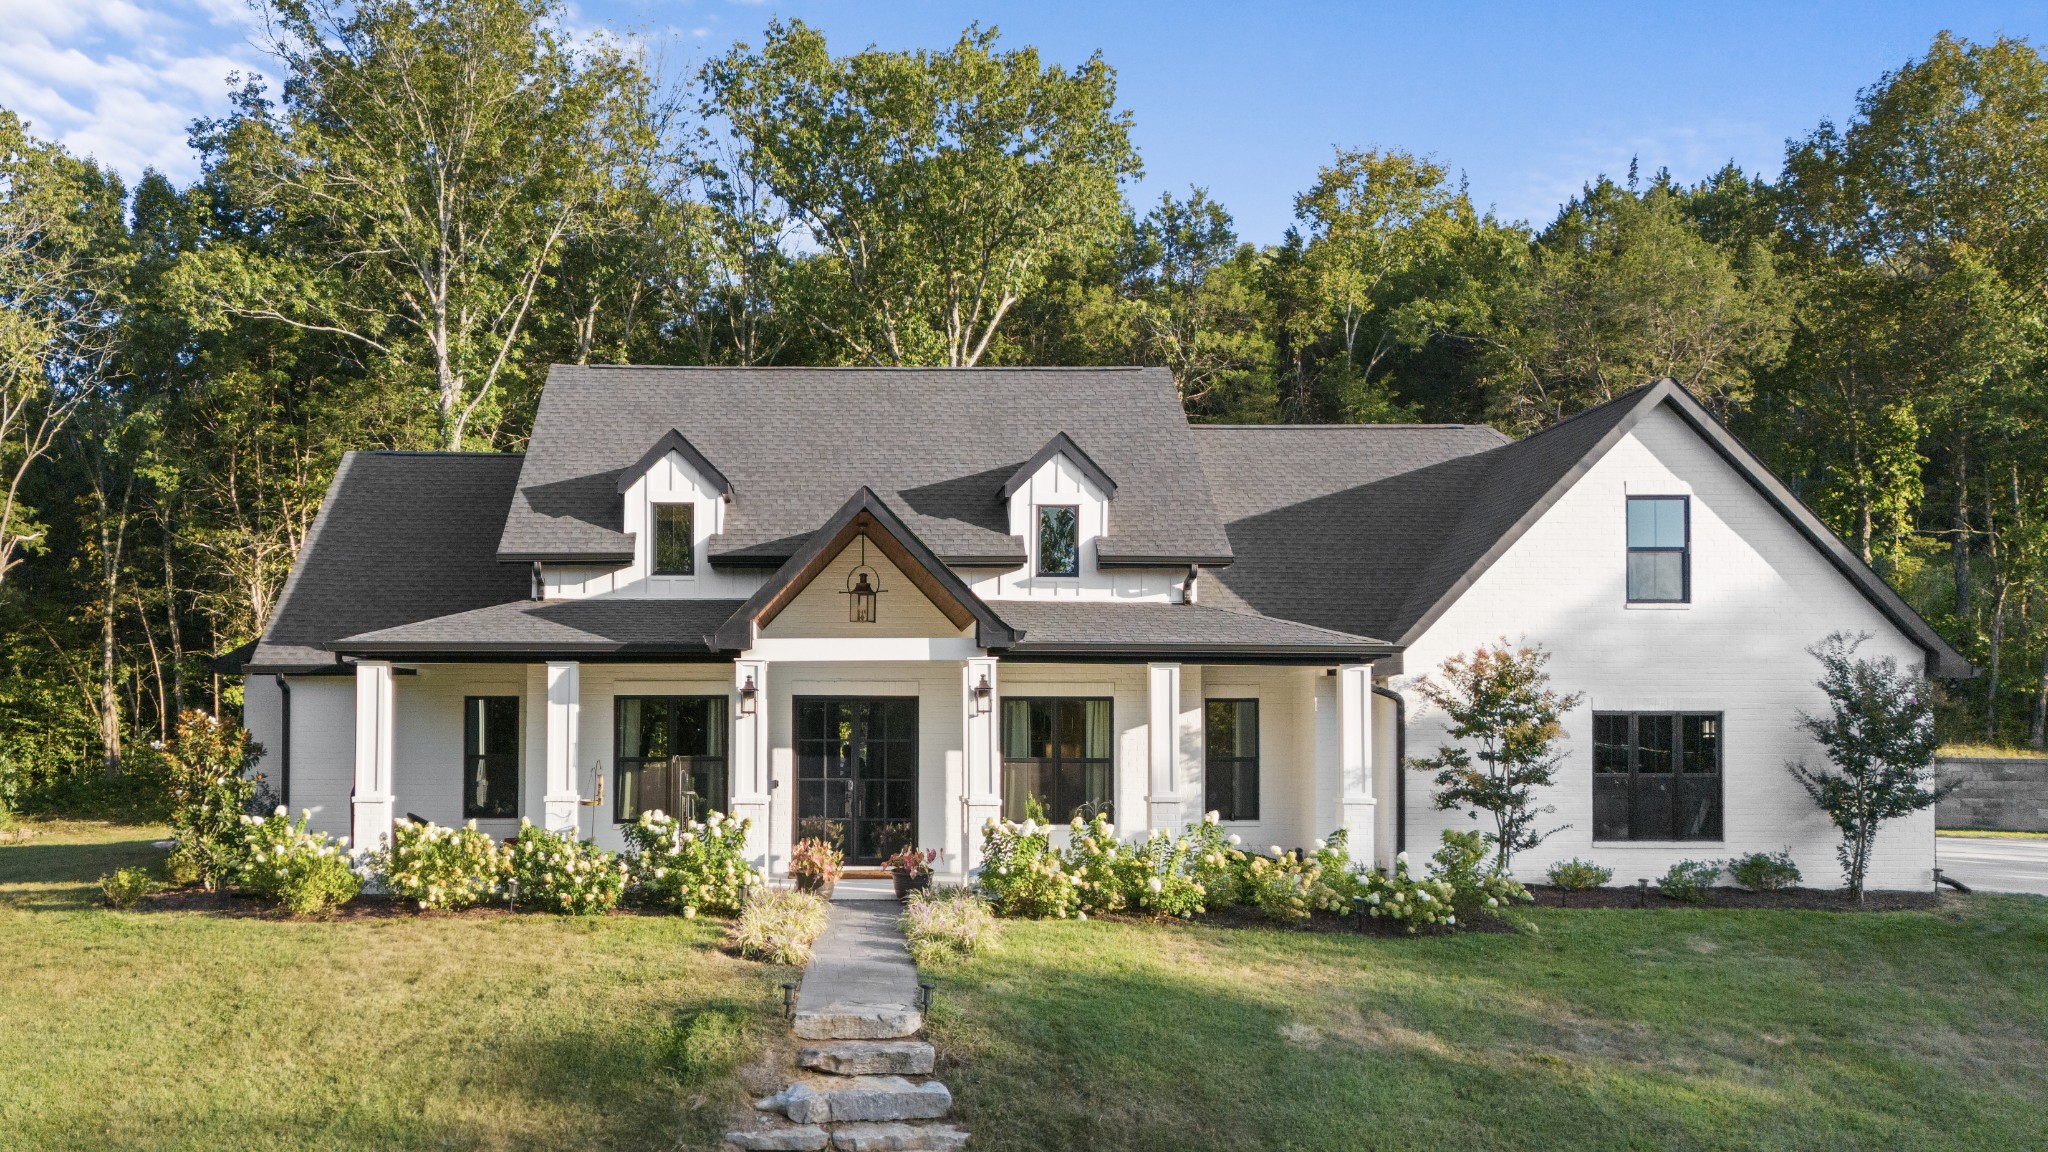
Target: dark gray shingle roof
(1129,629)
(936,444)
(605,626)
(401,536)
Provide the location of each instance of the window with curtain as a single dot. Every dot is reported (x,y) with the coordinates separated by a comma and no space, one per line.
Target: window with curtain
(1230,769)
(490,757)
(670,756)
(1056,758)
(674,540)
(1059,541)
(1657,776)
(1659,549)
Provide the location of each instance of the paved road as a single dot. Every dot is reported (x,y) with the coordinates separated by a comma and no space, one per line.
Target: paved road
(1989,865)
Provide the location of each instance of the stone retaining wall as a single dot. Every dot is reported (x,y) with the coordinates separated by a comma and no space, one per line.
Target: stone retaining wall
(1994,794)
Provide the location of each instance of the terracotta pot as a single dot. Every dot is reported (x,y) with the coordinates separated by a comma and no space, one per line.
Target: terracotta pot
(820,885)
(906,883)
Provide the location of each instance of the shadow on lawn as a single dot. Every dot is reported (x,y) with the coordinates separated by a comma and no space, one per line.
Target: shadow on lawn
(53,876)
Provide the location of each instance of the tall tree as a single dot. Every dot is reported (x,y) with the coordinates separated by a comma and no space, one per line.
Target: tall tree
(937,187)
(432,159)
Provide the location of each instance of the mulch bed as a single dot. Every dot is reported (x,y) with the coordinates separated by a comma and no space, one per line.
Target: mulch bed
(1797,899)
(365,907)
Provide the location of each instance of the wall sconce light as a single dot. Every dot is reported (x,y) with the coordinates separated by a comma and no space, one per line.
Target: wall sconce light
(984,695)
(747,694)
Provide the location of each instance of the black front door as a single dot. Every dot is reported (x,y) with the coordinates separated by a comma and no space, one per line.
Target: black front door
(856,774)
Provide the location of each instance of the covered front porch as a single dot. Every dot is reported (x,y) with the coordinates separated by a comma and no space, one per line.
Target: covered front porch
(879,753)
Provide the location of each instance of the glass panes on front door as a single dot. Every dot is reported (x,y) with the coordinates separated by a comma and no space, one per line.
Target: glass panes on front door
(1656,776)
(1056,759)
(671,756)
(856,775)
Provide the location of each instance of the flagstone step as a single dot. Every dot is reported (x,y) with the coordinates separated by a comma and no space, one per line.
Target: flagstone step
(857,1022)
(899,1138)
(868,1057)
(829,1100)
(778,1137)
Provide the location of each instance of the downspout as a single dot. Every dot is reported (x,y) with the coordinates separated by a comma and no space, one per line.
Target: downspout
(1400,765)
(284,742)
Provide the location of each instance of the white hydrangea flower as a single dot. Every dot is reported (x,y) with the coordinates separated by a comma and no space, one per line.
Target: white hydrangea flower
(1320,845)
(1235,840)
(1154,885)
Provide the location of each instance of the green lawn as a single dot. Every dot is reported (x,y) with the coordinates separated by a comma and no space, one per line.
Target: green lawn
(177,1030)
(1670,1029)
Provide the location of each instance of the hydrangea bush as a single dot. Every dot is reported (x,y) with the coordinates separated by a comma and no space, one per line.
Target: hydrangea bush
(306,872)
(1474,889)
(560,873)
(1215,862)
(1023,875)
(1410,901)
(691,867)
(1107,874)
(436,867)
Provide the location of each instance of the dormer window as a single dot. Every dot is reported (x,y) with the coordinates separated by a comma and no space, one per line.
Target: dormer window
(1059,540)
(675,544)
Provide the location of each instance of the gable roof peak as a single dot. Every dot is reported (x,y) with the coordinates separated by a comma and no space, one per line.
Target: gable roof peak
(1061,444)
(676,442)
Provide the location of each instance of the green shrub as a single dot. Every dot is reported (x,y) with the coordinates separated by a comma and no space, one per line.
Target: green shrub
(438,867)
(1690,880)
(708,1047)
(1338,882)
(560,873)
(779,927)
(306,872)
(1165,884)
(1283,887)
(1408,901)
(691,867)
(1215,862)
(205,780)
(1021,874)
(1765,871)
(1576,875)
(946,924)
(1107,875)
(126,887)
(1473,889)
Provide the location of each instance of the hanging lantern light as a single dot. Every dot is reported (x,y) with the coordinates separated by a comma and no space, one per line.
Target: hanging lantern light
(863,587)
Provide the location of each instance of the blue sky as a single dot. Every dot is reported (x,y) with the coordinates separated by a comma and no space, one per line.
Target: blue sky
(1528,101)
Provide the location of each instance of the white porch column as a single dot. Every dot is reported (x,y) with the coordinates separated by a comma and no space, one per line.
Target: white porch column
(982,753)
(1163,737)
(370,817)
(1354,759)
(565,708)
(751,786)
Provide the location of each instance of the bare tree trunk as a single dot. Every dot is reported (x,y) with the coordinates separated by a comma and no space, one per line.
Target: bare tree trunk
(110,701)
(1991,673)
(1961,546)
(177,636)
(2039,736)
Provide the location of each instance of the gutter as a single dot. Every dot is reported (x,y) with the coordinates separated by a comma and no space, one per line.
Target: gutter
(1400,765)
(284,742)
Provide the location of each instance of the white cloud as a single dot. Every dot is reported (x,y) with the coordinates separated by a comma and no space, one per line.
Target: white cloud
(120,82)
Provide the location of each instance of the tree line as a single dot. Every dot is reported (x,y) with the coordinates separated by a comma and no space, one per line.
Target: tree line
(432,200)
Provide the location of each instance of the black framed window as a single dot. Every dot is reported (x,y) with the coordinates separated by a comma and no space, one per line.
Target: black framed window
(1056,752)
(1230,768)
(675,545)
(670,756)
(1059,540)
(1659,549)
(490,757)
(1657,776)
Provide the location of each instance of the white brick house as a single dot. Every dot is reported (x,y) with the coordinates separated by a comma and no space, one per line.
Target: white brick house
(884,605)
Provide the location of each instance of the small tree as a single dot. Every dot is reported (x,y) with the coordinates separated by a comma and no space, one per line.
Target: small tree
(1499,697)
(209,788)
(1879,734)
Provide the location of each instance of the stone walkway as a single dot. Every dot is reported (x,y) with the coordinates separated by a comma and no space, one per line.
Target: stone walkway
(857,1020)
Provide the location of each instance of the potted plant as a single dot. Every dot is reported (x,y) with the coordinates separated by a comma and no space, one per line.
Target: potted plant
(912,870)
(814,865)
